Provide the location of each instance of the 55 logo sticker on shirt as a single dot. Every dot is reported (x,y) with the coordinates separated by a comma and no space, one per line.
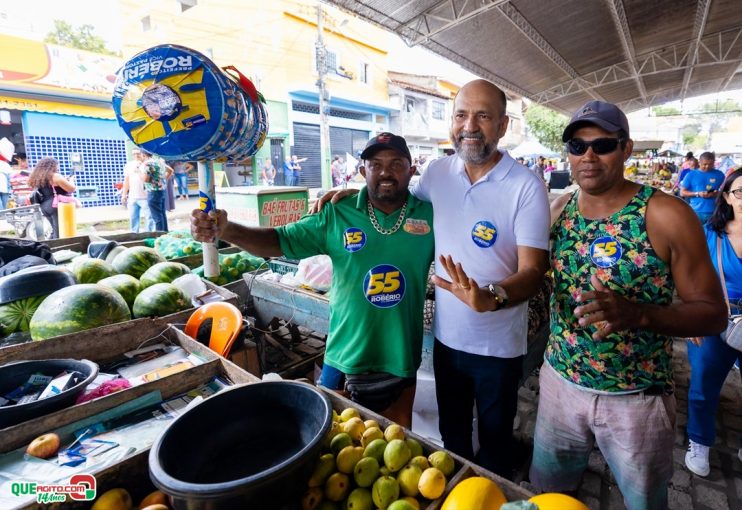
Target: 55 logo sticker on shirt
(384,286)
(484,234)
(354,239)
(605,251)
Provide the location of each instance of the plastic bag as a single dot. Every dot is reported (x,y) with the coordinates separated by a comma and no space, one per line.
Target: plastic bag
(315,272)
(11,249)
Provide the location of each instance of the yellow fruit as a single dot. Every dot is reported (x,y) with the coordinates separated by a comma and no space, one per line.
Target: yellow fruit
(412,501)
(415,447)
(393,431)
(115,499)
(334,431)
(370,434)
(322,470)
(432,484)
(153,498)
(408,479)
(475,493)
(335,416)
(348,413)
(337,487)
(371,424)
(376,449)
(312,498)
(554,501)
(401,504)
(366,471)
(420,462)
(360,499)
(396,455)
(443,461)
(348,458)
(340,441)
(355,428)
(385,491)
(156,506)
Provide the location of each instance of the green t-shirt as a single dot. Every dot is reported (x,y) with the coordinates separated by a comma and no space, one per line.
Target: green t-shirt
(378,282)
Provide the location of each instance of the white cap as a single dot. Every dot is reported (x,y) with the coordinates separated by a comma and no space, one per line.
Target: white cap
(7,149)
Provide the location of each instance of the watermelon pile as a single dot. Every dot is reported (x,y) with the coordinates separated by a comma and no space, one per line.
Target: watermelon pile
(163,272)
(232,266)
(92,270)
(136,260)
(160,299)
(16,315)
(77,308)
(125,284)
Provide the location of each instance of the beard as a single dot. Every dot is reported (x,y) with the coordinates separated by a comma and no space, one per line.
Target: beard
(393,196)
(476,155)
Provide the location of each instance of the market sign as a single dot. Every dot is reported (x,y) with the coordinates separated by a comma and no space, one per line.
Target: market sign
(39,105)
(30,66)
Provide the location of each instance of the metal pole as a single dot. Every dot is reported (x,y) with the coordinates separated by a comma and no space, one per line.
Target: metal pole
(324,128)
(207,202)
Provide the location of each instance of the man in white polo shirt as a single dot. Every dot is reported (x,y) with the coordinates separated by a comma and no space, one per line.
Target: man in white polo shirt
(491,224)
(491,218)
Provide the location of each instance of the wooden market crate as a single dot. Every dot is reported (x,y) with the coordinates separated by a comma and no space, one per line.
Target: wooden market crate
(463,468)
(101,347)
(81,243)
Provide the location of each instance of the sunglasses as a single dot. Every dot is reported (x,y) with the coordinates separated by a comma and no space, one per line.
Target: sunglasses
(578,146)
(736,192)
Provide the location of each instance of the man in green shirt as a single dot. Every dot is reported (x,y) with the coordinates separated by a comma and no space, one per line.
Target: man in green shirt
(381,246)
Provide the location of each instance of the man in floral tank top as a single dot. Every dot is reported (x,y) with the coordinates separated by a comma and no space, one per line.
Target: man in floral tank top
(619,251)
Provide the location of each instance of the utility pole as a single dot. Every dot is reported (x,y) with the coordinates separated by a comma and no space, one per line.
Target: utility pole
(324,128)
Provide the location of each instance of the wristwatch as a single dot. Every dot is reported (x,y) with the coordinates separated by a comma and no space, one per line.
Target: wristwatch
(501,297)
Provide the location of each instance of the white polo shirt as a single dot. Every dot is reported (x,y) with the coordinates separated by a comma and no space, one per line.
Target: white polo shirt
(481,225)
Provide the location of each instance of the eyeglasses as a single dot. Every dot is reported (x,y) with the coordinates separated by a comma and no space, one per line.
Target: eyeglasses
(736,192)
(578,147)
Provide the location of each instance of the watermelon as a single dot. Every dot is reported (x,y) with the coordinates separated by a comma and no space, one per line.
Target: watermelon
(135,261)
(163,272)
(125,284)
(16,315)
(77,308)
(92,270)
(160,299)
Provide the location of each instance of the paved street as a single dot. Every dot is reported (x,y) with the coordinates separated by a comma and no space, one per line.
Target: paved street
(721,490)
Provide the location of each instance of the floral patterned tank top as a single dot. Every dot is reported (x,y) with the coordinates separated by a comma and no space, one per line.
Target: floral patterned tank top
(618,251)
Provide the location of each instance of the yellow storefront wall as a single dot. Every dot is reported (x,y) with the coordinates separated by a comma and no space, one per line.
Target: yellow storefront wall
(38,105)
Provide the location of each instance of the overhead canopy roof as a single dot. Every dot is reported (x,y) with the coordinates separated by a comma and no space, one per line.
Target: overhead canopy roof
(563,53)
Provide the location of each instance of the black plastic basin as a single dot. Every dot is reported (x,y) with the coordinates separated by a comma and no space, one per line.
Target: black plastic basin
(13,375)
(253,446)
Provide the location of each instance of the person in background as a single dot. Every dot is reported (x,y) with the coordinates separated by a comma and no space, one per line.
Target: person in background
(46,179)
(631,271)
(702,186)
(539,168)
(133,194)
(296,167)
(710,357)
(19,181)
(288,171)
(692,164)
(156,173)
(268,173)
(381,247)
(180,171)
(337,170)
(6,156)
(687,161)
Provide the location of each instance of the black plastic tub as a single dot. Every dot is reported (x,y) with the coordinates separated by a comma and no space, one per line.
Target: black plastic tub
(13,375)
(253,446)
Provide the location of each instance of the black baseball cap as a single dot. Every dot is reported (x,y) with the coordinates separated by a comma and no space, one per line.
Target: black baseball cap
(605,115)
(386,141)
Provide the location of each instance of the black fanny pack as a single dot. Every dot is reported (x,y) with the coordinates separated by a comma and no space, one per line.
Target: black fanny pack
(376,391)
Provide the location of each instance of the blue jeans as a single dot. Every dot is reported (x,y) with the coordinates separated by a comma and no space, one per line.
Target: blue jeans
(156,203)
(4,200)
(182,181)
(710,363)
(289,179)
(462,380)
(137,207)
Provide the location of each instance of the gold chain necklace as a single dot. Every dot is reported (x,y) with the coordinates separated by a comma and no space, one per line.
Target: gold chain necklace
(375,222)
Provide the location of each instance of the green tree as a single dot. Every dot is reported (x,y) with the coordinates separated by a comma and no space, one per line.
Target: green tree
(725,105)
(662,110)
(546,125)
(81,38)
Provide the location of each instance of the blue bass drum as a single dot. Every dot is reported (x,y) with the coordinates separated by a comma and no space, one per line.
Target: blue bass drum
(174,102)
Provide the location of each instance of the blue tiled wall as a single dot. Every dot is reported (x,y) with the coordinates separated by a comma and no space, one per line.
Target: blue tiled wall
(103,161)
